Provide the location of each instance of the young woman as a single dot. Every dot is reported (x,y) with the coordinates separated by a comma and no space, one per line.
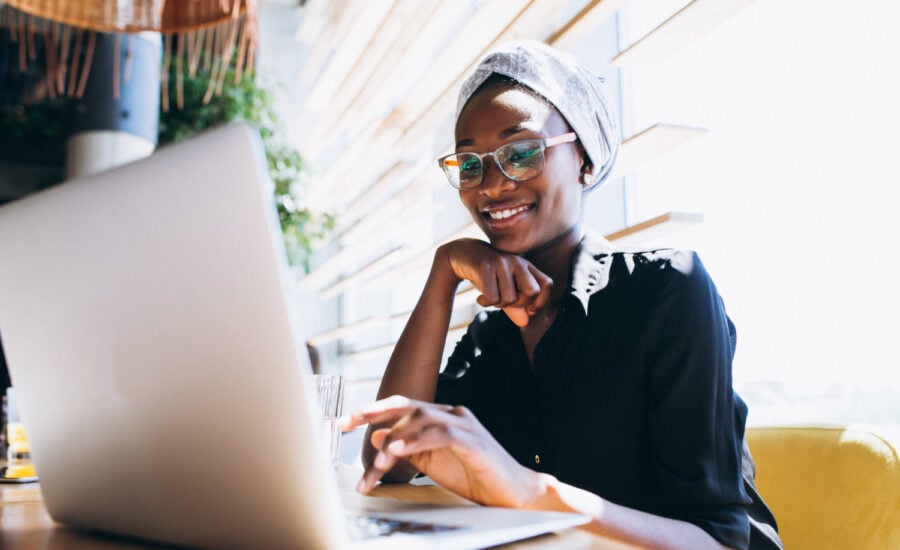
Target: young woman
(602,383)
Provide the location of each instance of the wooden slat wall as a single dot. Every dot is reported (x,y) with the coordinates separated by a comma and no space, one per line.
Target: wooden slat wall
(383,76)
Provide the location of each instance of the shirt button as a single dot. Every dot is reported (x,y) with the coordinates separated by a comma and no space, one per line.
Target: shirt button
(537,459)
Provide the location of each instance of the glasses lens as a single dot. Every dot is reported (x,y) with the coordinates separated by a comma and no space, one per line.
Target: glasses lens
(521,160)
(463,170)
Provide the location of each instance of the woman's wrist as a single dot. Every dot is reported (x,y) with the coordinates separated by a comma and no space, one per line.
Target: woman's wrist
(442,272)
(549,493)
(542,493)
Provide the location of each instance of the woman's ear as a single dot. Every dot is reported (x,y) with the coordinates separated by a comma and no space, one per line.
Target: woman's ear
(587,173)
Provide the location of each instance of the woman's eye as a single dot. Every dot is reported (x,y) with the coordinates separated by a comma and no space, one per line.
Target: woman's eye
(523,155)
(469,165)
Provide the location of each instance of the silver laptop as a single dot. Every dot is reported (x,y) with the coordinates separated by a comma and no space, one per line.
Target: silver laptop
(150,331)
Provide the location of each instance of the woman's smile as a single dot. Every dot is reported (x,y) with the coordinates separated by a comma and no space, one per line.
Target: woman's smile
(504,215)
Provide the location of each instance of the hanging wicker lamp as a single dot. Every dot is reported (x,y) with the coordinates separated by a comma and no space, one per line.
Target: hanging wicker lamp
(212,34)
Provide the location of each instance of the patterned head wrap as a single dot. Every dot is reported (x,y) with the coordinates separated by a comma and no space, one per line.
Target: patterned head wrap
(565,82)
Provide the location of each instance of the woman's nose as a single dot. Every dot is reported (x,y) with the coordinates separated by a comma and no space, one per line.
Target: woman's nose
(493,181)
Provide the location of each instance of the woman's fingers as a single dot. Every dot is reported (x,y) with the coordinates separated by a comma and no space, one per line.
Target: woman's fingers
(518,284)
(497,286)
(526,283)
(534,293)
(490,291)
(504,280)
(406,418)
(381,464)
(545,285)
(428,438)
(378,436)
(518,315)
(453,448)
(510,293)
(388,409)
(425,418)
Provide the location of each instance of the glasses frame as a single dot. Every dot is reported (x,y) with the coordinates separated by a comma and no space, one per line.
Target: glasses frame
(544,144)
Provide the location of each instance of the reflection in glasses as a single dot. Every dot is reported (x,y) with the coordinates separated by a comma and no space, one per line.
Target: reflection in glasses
(519,161)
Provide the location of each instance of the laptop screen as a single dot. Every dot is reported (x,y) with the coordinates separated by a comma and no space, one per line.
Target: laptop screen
(149,325)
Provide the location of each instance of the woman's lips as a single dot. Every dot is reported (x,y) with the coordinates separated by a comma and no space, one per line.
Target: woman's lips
(506,212)
(503,216)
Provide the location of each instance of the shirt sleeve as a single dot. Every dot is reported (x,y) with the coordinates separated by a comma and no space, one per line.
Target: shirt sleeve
(456,383)
(696,434)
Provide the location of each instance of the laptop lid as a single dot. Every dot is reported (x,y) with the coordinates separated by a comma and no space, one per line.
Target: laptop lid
(140,309)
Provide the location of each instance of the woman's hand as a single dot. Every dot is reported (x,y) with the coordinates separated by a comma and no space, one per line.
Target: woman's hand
(506,281)
(447,444)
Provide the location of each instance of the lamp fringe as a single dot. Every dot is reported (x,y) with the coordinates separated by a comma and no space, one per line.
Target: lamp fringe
(214,35)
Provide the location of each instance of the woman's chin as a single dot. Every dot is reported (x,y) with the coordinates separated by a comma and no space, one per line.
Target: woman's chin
(509,245)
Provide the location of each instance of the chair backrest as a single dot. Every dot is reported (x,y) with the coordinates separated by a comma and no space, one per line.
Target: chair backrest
(830,486)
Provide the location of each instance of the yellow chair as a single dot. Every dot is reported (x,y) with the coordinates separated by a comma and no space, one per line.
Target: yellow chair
(830,486)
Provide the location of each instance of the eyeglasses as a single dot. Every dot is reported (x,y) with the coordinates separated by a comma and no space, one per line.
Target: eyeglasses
(518,161)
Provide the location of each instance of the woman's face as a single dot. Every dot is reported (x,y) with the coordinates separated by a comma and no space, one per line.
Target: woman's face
(541,208)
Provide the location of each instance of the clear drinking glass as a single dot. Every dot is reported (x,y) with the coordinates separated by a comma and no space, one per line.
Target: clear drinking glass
(330,392)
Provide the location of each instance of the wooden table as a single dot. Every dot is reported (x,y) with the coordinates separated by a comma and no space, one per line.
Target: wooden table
(25,523)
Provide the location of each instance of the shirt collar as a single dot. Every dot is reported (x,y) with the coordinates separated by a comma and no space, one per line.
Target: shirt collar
(590,271)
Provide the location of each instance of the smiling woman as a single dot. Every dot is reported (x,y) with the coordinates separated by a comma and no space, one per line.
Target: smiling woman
(602,383)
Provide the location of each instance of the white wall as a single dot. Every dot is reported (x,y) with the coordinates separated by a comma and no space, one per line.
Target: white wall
(799,180)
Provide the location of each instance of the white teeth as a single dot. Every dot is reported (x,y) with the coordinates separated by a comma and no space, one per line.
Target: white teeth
(504,214)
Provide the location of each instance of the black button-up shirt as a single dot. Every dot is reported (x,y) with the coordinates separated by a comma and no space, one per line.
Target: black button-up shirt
(630,394)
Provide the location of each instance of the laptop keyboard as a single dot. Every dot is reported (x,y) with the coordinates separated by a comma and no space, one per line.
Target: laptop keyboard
(365,527)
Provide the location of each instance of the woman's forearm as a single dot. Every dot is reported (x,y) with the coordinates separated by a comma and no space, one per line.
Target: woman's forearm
(621,523)
(413,368)
(414,364)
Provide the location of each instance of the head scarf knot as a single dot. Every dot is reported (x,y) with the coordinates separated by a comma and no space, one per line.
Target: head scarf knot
(577,93)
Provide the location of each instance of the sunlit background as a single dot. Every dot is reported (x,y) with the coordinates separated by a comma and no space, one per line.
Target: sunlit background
(798,183)
(762,133)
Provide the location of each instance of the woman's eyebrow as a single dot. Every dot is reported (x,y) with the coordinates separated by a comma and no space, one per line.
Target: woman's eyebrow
(511,131)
